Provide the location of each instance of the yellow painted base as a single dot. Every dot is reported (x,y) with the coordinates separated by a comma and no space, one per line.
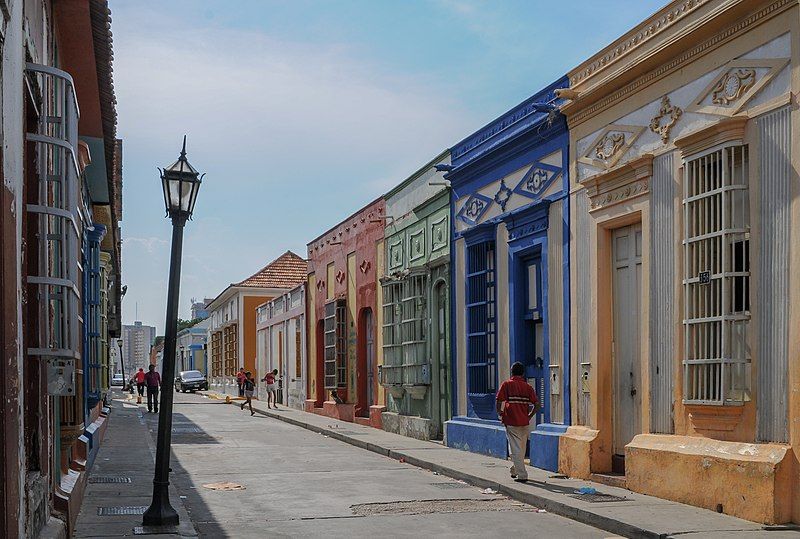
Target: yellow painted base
(575,451)
(750,481)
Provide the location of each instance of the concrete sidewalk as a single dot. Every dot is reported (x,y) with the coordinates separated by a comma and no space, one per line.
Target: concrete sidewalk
(637,516)
(121,480)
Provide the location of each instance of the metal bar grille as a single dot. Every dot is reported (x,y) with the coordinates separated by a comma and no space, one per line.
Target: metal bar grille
(329,329)
(392,369)
(716,277)
(481,322)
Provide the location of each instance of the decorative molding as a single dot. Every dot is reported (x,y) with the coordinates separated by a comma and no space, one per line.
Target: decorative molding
(620,184)
(365,266)
(439,233)
(416,244)
(611,145)
(503,195)
(396,254)
(340,275)
(726,130)
(475,207)
(530,221)
(537,179)
(737,84)
(581,114)
(634,39)
(668,112)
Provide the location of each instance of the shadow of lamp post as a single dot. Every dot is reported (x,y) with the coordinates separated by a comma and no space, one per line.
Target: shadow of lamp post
(180,182)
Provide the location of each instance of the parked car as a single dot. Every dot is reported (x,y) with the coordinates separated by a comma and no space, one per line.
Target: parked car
(117,379)
(190,381)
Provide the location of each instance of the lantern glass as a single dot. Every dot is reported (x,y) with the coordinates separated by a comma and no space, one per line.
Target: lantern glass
(180,182)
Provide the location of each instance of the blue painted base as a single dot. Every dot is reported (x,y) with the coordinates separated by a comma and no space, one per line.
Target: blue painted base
(477,435)
(544,446)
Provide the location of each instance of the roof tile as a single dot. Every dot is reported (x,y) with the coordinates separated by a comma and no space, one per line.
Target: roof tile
(286,271)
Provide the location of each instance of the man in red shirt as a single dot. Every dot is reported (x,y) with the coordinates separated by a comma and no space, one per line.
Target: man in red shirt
(153,381)
(516,405)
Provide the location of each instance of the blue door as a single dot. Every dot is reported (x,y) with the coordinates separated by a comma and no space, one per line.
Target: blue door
(532,350)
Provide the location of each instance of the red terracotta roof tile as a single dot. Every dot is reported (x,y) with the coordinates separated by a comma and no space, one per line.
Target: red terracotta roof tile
(287,271)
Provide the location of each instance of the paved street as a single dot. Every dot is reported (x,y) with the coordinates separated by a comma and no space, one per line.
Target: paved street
(299,483)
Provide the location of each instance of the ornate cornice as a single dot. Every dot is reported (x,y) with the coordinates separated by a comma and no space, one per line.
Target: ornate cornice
(577,113)
(622,183)
(635,39)
(726,130)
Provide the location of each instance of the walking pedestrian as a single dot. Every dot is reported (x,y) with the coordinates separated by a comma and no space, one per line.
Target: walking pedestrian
(249,386)
(272,388)
(517,403)
(240,378)
(153,381)
(139,377)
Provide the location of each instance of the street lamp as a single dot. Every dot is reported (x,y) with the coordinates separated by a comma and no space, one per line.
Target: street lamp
(121,364)
(180,182)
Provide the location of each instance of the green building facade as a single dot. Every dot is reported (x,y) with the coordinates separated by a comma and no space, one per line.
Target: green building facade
(416,305)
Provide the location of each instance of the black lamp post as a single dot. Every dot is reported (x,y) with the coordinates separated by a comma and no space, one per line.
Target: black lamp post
(122,365)
(180,182)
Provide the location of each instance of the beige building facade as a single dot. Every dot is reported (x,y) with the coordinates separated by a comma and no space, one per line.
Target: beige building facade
(684,197)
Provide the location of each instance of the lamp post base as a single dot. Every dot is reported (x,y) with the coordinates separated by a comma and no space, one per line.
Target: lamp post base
(160,512)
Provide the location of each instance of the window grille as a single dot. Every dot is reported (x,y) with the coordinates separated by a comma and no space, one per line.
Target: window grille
(216,353)
(717,277)
(481,320)
(56,214)
(414,330)
(230,350)
(335,328)
(392,369)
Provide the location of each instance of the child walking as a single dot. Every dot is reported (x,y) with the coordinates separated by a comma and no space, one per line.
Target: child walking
(249,386)
(272,388)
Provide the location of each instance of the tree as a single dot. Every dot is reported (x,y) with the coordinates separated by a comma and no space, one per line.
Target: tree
(183,324)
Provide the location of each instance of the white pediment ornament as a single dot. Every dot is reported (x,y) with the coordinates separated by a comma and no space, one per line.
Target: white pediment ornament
(738,82)
(611,145)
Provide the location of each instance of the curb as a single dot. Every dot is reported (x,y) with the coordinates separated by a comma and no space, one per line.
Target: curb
(583,516)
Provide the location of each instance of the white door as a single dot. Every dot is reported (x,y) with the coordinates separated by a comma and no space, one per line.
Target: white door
(627,294)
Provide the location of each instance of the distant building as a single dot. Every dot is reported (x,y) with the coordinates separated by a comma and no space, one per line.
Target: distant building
(281,344)
(199,309)
(232,330)
(136,342)
(190,349)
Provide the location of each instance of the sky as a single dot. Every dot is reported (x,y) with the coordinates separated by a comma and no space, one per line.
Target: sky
(300,112)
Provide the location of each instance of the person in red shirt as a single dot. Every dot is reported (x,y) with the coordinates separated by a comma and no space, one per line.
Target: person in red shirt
(139,377)
(240,378)
(517,403)
(272,388)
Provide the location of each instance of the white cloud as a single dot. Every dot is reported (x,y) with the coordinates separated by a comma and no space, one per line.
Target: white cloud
(148,244)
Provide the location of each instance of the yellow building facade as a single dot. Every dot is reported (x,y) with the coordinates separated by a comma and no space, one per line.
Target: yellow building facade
(685,207)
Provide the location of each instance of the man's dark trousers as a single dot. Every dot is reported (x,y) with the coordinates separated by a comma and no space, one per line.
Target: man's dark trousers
(152,398)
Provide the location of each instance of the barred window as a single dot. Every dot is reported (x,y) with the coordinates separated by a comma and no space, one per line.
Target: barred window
(335,327)
(717,277)
(481,320)
(392,369)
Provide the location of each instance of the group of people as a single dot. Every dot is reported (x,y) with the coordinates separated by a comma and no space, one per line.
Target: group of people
(149,381)
(517,403)
(247,386)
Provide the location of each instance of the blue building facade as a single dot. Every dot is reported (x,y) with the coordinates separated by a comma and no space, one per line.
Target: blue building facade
(510,274)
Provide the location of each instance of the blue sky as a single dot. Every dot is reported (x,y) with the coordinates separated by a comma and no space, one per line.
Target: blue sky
(302,111)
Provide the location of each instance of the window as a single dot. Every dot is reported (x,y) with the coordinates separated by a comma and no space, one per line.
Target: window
(216,353)
(481,320)
(717,277)
(414,330)
(230,351)
(392,369)
(335,344)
